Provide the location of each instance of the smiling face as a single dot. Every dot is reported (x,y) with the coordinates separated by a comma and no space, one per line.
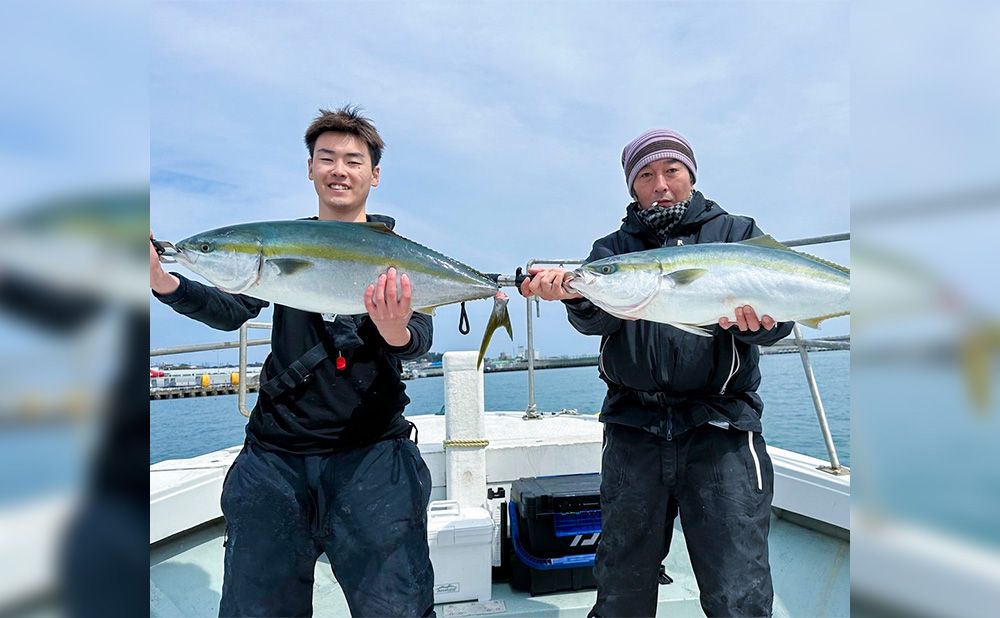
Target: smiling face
(341,170)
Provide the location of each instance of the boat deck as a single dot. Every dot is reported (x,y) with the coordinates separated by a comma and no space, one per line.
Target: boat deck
(809,541)
(811,573)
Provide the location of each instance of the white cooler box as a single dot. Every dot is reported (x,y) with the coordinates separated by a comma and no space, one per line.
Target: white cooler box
(461,542)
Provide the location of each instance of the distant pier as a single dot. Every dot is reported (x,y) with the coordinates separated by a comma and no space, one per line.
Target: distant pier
(180,392)
(493,366)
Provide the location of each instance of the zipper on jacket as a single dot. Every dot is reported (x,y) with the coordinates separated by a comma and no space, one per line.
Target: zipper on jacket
(734,365)
(756,462)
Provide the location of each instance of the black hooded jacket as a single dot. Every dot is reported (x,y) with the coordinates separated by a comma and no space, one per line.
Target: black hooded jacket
(332,409)
(663,379)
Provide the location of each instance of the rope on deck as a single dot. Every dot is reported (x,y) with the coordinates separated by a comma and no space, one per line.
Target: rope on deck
(465,443)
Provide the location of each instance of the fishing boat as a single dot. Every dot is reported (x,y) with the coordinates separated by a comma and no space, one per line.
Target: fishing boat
(475,457)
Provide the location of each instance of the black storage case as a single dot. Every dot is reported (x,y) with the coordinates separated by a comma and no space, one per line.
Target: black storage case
(555,524)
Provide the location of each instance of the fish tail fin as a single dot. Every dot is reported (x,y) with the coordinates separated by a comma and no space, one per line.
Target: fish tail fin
(977,350)
(498,318)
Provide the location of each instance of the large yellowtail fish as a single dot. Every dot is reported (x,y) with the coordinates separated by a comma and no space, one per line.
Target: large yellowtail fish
(692,286)
(325,266)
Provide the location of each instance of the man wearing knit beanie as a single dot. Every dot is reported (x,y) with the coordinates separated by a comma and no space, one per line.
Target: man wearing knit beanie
(655,145)
(682,431)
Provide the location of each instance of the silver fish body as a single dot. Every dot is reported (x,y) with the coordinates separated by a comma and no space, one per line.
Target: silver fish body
(693,286)
(325,266)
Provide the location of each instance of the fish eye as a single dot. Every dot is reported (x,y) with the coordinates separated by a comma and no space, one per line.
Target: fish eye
(206,247)
(607,269)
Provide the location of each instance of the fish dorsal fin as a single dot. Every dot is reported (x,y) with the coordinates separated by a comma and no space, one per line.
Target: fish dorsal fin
(769,242)
(685,276)
(765,241)
(379,227)
(385,229)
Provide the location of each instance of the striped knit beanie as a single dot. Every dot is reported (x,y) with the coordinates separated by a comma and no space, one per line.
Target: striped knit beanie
(653,145)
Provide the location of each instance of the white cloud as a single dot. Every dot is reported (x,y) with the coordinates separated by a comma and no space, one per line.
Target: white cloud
(504,123)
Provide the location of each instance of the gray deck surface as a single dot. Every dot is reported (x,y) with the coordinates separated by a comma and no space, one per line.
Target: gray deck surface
(810,570)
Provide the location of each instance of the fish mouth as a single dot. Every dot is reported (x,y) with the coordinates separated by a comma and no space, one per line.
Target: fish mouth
(183,256)
(580,275)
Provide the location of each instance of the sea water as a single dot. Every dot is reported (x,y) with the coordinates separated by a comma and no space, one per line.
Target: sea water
(181,428)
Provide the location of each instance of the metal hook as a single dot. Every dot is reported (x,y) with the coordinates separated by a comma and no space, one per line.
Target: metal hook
(166,250)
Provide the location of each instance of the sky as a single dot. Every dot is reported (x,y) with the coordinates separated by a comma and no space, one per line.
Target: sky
(504,125)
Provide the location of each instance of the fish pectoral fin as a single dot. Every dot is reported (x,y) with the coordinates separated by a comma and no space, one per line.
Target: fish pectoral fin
(427,310)
(686,276)
(498,318)
(694,329)
(815,322)
(288,266)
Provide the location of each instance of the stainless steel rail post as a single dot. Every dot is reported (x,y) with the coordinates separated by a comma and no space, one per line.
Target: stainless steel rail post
(835,467)
(241,391)
(532,411)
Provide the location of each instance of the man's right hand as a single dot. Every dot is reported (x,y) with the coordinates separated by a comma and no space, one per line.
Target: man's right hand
(160,281)
(548,284)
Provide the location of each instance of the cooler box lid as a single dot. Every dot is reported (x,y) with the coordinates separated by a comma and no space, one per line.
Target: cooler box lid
(448,523)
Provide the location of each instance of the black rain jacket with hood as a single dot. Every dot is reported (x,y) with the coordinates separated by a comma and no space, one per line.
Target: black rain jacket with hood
(663,379)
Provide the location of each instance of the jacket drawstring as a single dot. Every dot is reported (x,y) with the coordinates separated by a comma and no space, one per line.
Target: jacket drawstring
(756,462)
(734,365)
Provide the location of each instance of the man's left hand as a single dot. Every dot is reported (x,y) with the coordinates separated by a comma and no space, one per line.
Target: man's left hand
(389,308)
(746,319)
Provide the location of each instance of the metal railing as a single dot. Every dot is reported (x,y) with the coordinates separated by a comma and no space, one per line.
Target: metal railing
(242,344)
(241,391)
(531,412)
